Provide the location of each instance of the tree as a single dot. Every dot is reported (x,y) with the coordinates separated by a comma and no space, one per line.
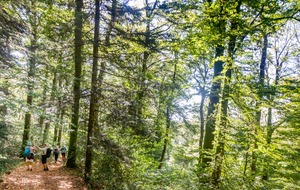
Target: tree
(32,18)
(94,96)
(76,84)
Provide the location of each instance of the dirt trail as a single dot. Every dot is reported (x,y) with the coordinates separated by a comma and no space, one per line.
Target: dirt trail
(57,178)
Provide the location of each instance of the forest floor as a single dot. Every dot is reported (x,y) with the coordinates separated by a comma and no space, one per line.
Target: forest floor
(57,178)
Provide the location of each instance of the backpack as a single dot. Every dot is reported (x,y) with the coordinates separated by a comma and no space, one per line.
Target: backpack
(63,150)
(48,152)
(27,151)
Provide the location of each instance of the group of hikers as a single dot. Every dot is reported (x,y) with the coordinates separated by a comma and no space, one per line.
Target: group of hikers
(46,153)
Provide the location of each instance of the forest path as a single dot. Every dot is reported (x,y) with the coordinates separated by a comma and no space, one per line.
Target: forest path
(57,178)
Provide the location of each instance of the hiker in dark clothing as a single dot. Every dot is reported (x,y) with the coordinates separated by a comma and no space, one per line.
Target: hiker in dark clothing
(44,156)
(56,153)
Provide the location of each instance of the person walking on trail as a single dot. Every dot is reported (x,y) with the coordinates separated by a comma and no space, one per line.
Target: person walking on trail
(63,151)
(56,153)
(44,156)
(29,156)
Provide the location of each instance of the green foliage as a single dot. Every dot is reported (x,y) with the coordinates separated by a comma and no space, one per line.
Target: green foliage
(3,131)
(110,173)
(156,63)
(7,164)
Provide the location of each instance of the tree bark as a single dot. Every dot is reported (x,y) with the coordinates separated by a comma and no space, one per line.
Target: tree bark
(4,88)
(261,86)
(202,124)
(168,115)
(62,114)
(31,75)
(42,117)
(214,99)
(94,97)
(52,97)
(140,129)
(103,64)
(71,162)
(219,156)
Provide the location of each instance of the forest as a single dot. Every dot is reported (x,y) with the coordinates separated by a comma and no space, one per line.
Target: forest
(162,95)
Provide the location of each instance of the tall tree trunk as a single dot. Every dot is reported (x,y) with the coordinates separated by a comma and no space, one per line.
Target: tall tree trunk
(201,114)
(205,156)
(142,86)
(55,135)
(31,74)
(52,98)
(94,97)
(166,138)
(214,99)
(202,125)
(141,91)
(270,127)
(168,115)
(219,155)
(268,139)
(103,64)
(42,117)
(46,132)
(40,125)
(3,108)
(62,113)
(203,93)
(4,88)
(261,85)
(71,162)
(61,106)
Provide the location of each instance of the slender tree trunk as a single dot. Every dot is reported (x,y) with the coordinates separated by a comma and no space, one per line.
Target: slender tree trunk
(201,113)
(141,91)
(41,124)
(3,108)
(203,93)
(103,64)
(55,135)
(142,86)
(61,106)
(42,117)
(71,162)
(46,132)
(94,97)
(261,85)
(202,125)
(270,127)
(52,97)
(166,140)
(269,138)
(60,126)
(4,88)
(31,75)
(168,115)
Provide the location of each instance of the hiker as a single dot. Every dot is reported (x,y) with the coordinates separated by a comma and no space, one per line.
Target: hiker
(44,156)
(29,156)
(56,153)
(63,151)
